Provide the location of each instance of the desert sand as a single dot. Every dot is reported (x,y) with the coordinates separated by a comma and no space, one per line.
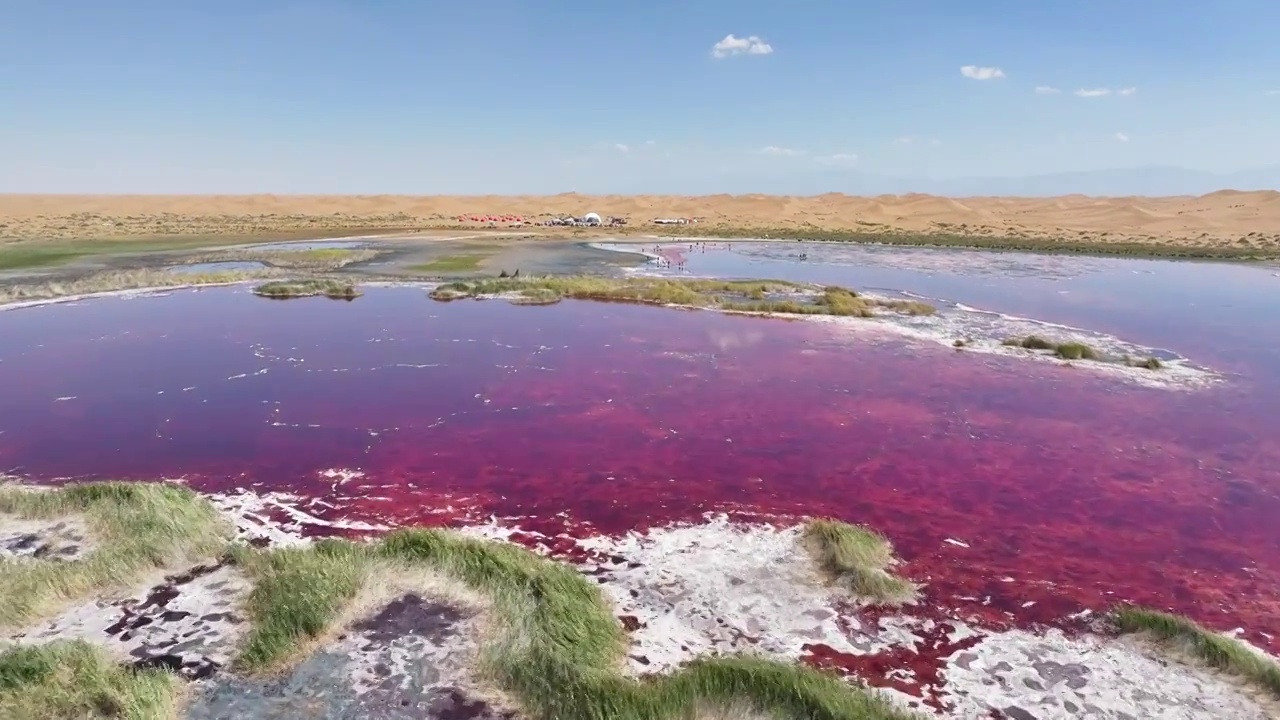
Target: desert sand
(1218,219)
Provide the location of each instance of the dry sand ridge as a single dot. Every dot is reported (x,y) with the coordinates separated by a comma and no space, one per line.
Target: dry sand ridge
(1227,218)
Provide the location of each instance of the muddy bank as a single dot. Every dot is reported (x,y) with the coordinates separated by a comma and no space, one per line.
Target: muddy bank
(418,255)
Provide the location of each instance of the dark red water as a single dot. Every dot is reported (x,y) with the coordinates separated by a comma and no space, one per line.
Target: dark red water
(1070,490)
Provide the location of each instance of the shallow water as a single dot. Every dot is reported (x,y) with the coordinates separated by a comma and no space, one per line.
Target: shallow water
(1222,314)
(299,245)
(228,266)
(1001,481)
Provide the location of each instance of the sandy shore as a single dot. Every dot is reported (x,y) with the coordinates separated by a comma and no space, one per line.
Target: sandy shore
(1226,219)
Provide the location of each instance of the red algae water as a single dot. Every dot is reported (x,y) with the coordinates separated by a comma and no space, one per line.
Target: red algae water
(1017,492)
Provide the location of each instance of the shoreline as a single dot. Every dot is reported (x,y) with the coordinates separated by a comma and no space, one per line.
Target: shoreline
(1176,248)
(681,591)
(1137,251)
(1177,374)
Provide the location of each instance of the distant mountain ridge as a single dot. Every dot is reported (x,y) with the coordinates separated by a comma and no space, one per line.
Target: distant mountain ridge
(1147,181)
(1154,180)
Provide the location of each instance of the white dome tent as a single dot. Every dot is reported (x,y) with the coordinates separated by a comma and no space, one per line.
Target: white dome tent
(591,218)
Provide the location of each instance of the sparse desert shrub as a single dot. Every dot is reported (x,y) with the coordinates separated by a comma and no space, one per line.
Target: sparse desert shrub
(1075,351)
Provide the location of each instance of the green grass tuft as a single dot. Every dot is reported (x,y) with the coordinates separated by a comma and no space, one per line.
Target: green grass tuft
(451,264)
(297,595)
(336,289)
(73,679)
(1030,342)
(857,558)
(1215,650)
(1075,351)
(1067,350)
(135,528)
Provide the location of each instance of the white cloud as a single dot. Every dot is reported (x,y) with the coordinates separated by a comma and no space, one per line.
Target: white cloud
(1272,92)
(981,73)
(1127,91)
(1046,90)
(1122,137)
(776,151)
(935,141)
(623,147)
(1092,92)
(904,140)
(839,159)
(650,143)
(732,45)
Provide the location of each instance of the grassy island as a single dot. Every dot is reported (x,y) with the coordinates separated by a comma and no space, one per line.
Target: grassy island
(753,296)
(335,289)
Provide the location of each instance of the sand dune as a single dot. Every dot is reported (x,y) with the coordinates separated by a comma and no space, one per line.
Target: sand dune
(1225,216)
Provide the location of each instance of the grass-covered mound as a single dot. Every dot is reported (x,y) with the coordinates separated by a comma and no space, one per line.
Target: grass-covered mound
(74,679)
(297,594)
(857,558)
(336,289)
(1206,646)
(557,647)
(1075,350)
(318,259)
(135,528)
(1069,350)
(757,296)
(1150,363)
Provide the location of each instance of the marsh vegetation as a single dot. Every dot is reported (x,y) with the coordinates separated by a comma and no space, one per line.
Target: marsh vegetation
(1069,350)
(136,529)
(948,235)
(316,259)
(556,647)
(334,289)
(74,679)
(124,280)
(752,296)
(451,264)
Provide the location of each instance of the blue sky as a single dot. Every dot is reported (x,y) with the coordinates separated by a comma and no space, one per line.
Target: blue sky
(503,96)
